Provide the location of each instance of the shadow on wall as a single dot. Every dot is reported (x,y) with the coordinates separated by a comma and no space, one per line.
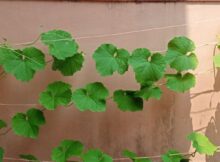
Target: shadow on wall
(213,128)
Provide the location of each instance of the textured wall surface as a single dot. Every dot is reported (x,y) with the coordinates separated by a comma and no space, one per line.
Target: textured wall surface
(163,124)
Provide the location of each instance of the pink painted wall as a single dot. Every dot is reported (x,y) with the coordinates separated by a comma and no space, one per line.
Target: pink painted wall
(163,124)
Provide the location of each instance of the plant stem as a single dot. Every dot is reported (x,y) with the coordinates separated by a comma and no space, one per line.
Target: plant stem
(6,132)
(49,61)
(28,43)
(109,98)
(2,74)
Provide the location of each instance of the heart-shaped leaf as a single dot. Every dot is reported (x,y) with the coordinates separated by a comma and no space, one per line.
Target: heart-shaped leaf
(147,92)
(179,82)
(61,44)
(23,64)
(57,94)
(127,100)
(172,156)
(92,97)
(66,150)
(180,54)
(202,144)
(70,65)
(148,67)
(3,124)
(95,155)
(27,124)
(109,59)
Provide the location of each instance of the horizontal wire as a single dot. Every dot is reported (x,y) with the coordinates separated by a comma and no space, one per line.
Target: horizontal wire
(123,33)
(114,159)
(36,104)
(199,46)
(148,29)
(109,35)
(17,159)
(202,45)
(115,34)
(6,104)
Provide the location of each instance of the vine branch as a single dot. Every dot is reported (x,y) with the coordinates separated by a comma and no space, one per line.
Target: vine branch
(28,43)
(6,132)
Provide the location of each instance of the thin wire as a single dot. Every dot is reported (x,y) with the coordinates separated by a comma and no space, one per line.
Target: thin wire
(28,43)
(202,45)
(114,159)
(205,71)
(35,104)
(148,29)
(17,159)
(101,36)
(122,33)
(31,104)
(153,156)
(49,61)
(199,46)
(113,34)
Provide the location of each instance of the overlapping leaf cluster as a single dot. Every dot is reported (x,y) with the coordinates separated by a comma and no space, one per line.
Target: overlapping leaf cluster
(64,49)
(150,69)
(24,63)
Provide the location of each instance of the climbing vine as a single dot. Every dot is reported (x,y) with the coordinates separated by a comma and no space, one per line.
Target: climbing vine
(150,69)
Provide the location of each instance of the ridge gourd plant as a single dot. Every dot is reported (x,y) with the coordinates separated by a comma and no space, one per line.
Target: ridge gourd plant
(150,69)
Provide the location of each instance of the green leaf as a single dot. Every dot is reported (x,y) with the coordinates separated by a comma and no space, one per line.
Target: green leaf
(27,124)
(129,154)
(181,44)
(6,54)
(92,97)
(216,60)
(172,156)
(184,62)
(148,92)
(23,64)
(57,94)
(133,156)
(202,144)
(109,59)
(2,152)
(95,155)
(179,82)
(148,67)
(29,157)
(3,124)
(61,44)
(36,117)
(127,100)
(70,65)
(66,150)
(180,54)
